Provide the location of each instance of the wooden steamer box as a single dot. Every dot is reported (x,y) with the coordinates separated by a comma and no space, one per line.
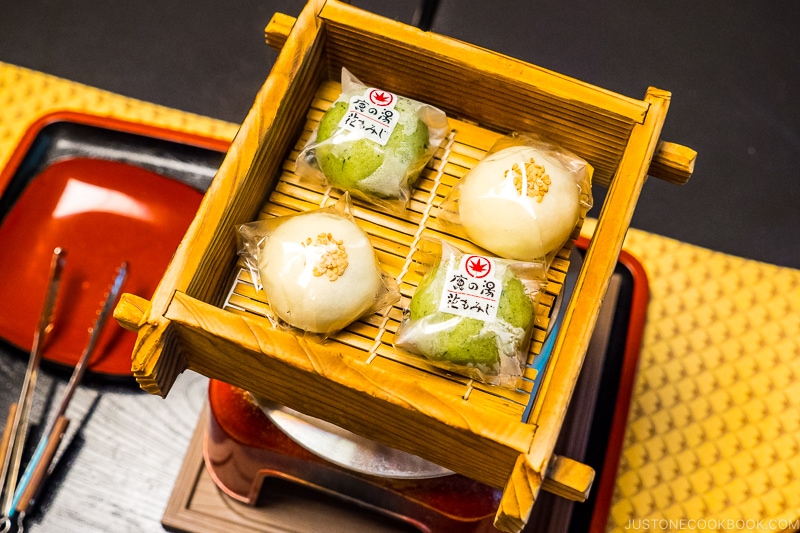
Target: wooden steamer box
(205,317)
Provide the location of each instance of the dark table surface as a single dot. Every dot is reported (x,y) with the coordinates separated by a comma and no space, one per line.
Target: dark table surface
(733,68)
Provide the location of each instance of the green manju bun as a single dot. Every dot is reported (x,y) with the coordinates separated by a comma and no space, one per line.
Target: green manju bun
(471,341)
(365,165)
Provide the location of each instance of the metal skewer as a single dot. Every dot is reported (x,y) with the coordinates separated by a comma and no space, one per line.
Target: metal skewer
(16,431)
(38,467)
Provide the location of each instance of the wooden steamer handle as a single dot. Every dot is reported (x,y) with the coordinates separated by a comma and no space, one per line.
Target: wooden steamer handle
(568,478)
(131,311)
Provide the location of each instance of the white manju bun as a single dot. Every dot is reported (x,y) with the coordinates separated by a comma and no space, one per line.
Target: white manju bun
(319,272)
(496,216)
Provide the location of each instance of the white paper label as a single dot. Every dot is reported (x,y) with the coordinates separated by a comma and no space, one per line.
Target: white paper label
(372,114)
(471,289)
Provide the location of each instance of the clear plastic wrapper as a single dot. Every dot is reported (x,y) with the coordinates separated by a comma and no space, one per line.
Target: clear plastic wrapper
(373,143)
(473,315)
(523,200)
(318,269)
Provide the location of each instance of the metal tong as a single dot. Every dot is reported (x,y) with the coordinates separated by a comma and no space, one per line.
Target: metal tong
(18,497)
(16,429)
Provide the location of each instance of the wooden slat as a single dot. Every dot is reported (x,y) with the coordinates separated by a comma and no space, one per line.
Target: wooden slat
(234,195)
(581,314)
(590,121)
(469,439)
(671,162)
(572,131)
(447,54)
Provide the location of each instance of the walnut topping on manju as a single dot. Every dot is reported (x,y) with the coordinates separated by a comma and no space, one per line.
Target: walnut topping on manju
(320,272)
(333,262)
(532,179)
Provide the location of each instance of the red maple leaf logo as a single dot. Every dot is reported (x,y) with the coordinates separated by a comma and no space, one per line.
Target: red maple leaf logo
(381,98)
(476,265)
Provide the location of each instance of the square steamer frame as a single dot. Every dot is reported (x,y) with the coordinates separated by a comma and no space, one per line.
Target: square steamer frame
(474,430)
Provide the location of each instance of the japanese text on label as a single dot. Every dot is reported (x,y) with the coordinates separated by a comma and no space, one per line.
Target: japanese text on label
(471,289)
(372,114)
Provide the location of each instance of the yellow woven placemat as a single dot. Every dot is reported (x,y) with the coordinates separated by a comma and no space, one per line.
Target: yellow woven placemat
(713,435)
(27,95)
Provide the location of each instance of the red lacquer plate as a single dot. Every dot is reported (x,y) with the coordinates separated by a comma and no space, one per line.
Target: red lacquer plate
(102,212)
